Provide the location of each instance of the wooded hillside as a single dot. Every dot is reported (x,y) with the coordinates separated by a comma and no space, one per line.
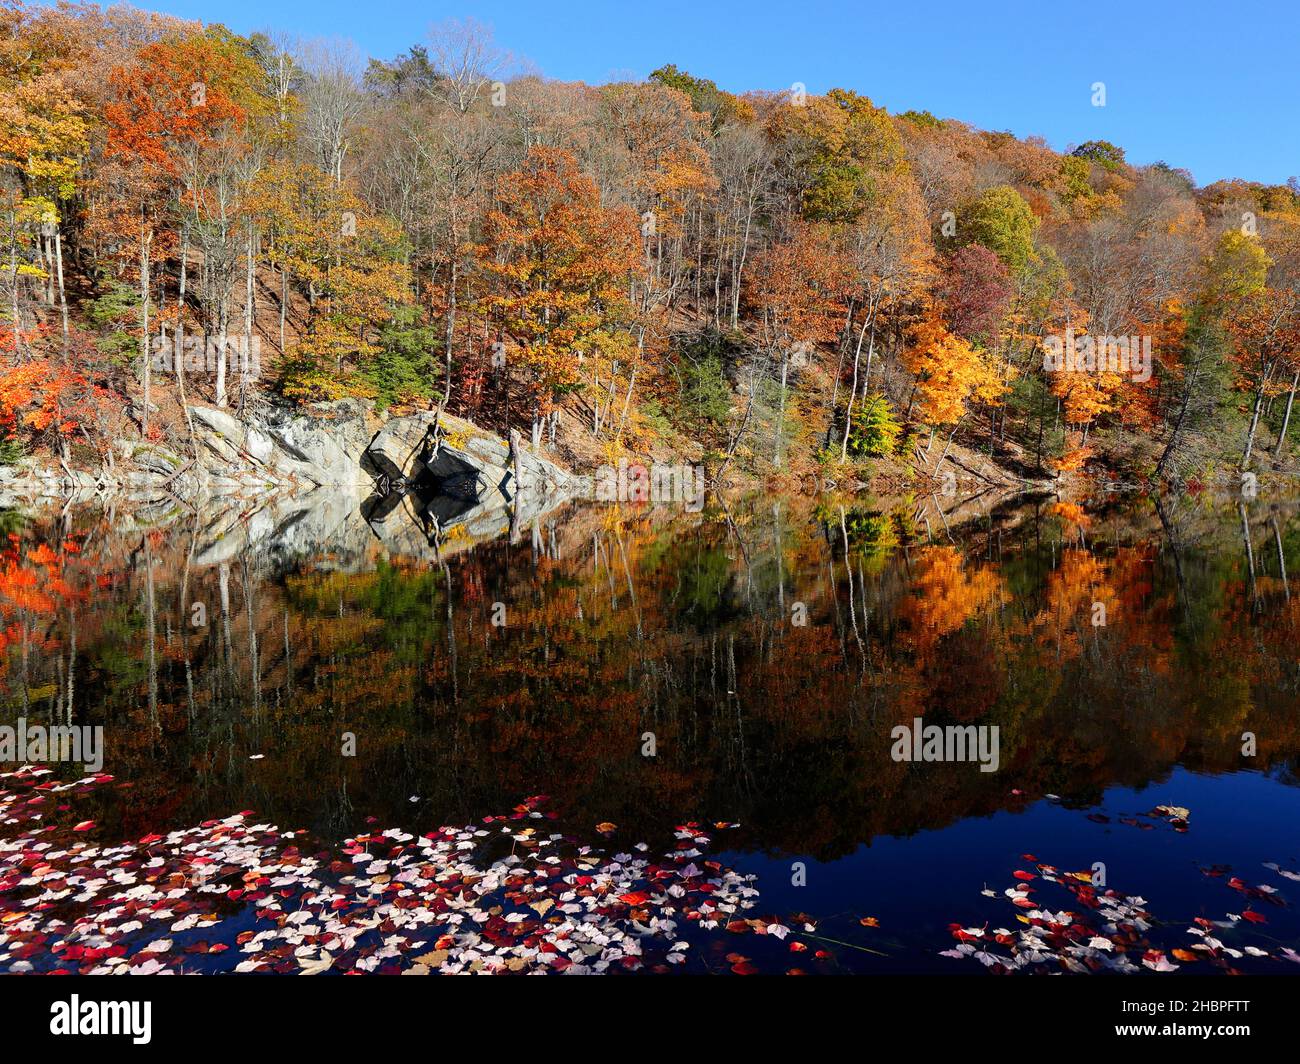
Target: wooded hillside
(777,282)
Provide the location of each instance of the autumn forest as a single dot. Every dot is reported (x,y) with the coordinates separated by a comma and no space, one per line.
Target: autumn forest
(455,520)
(774,283)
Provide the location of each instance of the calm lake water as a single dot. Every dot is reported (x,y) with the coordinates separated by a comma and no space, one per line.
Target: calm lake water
(764,652)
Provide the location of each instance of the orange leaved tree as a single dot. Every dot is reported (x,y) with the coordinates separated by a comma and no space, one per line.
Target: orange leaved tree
(556,265)
(950,374)
(166,106)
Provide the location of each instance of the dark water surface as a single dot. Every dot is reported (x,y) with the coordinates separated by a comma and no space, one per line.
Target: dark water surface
(767,651)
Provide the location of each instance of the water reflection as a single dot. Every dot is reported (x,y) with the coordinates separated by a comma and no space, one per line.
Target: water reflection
(769,647)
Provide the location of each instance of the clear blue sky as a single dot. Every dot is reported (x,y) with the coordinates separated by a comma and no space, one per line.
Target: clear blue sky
(1213,87)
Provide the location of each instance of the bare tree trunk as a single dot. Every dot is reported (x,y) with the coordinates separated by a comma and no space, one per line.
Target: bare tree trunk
(46,253)
(178,359)
(1250,552)
(13,288)
(627,402)
(451,632)
(780,413)
(1171,446)
(145,241)
(517,467)
(848,410)
(63,295)
(224,315)
(1281,556)
(740,431)
(1286,418)
(1254,424)
(717,277)
(72,660)
(250,313)
(740,265)
(152,634)
(451,330)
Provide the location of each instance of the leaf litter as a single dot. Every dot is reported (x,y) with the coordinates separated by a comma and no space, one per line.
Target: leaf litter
(503,896)
(1104,930)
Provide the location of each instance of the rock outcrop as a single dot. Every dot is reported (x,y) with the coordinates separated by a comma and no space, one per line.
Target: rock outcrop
(282,452)
(442,481)
(424,484)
